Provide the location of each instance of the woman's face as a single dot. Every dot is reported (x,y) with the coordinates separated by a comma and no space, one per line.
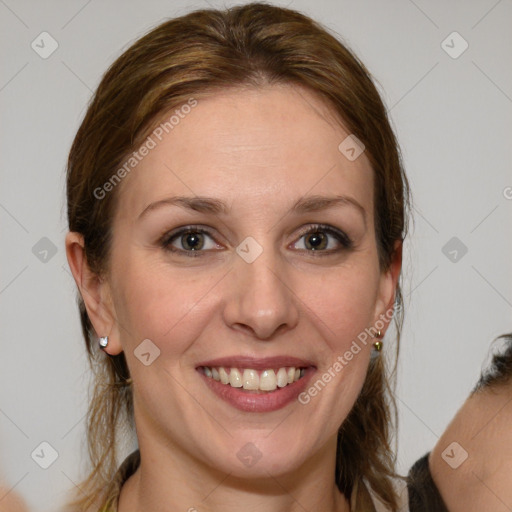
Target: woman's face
(279,269)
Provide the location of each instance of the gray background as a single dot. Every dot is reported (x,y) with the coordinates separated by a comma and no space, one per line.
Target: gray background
(453,117)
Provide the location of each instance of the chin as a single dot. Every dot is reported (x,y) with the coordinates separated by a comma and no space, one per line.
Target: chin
(261,455)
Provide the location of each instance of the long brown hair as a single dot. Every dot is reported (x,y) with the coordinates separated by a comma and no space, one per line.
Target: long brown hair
(199,53)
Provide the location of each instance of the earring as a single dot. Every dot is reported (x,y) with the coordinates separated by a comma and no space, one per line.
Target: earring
(103,342)
(378,344)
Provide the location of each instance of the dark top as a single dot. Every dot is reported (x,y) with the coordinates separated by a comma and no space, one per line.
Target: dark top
(423,493)
(129,466)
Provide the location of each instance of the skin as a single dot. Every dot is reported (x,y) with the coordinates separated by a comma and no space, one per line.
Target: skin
(482,428)
(10,501)
(258,151)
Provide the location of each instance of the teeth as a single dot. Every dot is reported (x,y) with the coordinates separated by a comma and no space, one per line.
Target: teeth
(252,380)
(235,379)
(224,377)
(268,381)
(282,378)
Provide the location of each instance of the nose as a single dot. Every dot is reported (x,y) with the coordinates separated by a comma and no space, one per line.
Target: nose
(260,299)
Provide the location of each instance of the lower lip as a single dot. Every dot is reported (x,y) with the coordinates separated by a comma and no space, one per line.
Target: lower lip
(259,402)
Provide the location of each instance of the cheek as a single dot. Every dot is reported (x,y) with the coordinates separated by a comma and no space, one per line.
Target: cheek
(163,305)
(343,303)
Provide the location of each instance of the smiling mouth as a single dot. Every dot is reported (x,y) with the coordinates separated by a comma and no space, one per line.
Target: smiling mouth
(255,381)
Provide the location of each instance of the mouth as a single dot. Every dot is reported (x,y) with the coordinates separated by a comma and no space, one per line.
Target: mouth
(257,385)
(249,379)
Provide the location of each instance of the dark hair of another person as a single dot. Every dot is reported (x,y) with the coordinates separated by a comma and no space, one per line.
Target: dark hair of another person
(499,371)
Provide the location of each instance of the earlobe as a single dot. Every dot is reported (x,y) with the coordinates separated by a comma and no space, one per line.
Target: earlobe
(94,291)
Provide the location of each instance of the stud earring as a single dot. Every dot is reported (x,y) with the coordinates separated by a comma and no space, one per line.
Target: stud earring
(103,342)
(378,344)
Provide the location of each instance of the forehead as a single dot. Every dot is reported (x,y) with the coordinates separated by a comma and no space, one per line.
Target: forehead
(248,146)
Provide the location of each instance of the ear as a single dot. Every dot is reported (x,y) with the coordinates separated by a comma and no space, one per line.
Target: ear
(387,288)
(95,293)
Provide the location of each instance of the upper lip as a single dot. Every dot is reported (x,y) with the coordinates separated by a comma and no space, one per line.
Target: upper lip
(260,363)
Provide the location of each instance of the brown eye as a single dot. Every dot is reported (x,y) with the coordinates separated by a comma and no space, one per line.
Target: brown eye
(316,241)
(192,241)
(188,241)
(323,239)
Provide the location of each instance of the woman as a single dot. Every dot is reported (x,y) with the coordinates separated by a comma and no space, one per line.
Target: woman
(237,207)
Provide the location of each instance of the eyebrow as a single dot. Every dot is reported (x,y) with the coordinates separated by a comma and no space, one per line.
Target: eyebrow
(204,204)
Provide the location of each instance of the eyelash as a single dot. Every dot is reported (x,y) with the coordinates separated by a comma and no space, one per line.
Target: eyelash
(339,235)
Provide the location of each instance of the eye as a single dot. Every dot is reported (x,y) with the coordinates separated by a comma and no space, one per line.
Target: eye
(190,240)
(318,238)
(322,238)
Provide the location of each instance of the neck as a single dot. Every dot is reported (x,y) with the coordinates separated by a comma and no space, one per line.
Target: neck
(168,479)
